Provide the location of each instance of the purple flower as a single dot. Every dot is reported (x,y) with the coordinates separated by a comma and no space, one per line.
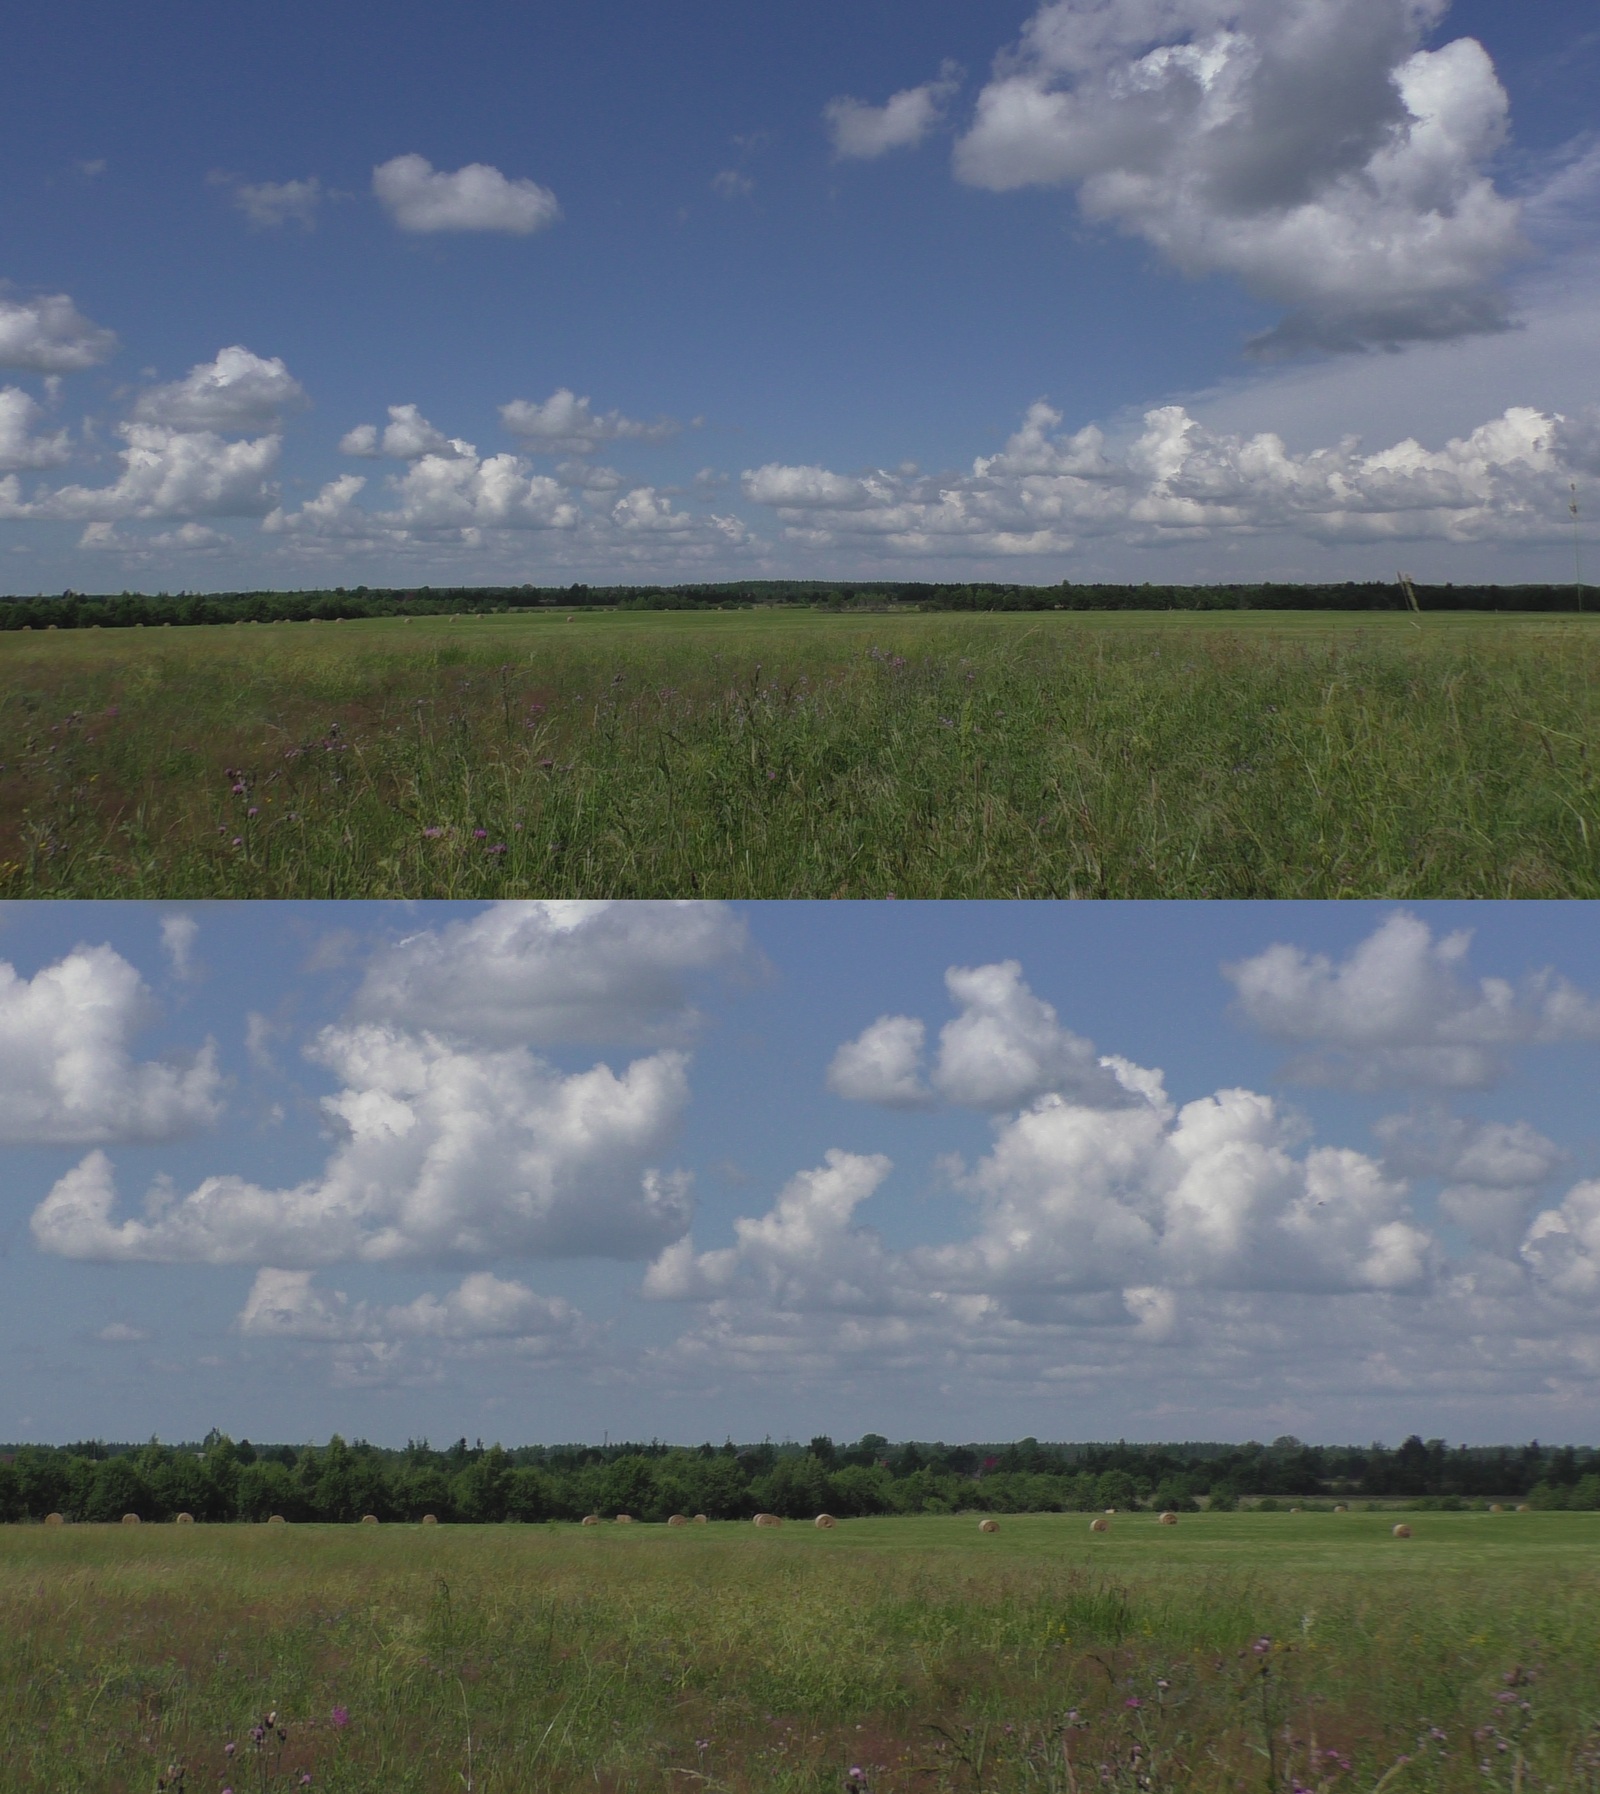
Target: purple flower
(480,834)
(238,790)
(432,834)
(238,840)
(499,847)
(254,810)
(340,1716)
(1133,1701)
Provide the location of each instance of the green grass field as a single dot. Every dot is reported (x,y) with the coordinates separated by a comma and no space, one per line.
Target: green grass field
(1233,1652)
(798,754)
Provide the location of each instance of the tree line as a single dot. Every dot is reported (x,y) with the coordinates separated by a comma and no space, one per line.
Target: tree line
(220,1479)
(133,610)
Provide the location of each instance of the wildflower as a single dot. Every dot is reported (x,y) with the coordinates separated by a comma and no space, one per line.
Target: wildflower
(238,840)
(229,1748)
(305,1781)
(857,1773)
(499,847)
(1262,1646)
(1133,1701)
(238,790)
(546,765)
(432,834)
(480,834)
(254,810)
(340,1716)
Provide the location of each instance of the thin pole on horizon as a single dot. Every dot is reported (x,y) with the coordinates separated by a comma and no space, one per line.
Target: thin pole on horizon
(1577,546)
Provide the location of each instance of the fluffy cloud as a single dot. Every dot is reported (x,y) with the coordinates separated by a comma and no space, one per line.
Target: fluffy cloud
(50,336)
(238,391)
(67,1073)
(1399,1010)
(284,1305)
(475,198)
(1004,1048)
(1491,1171)
(861,132)
(406,437)
(1178,482)
(1312,148)
(166,473)
(20,416)
(446,1154)
(566,424)
(1563,1245)
(541,973)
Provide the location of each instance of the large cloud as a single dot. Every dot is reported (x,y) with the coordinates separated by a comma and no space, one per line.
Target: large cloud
(421,199)
(50,336)
(237,391)
(166,473)
(1178,482)
(67,1073)
(1399,1010)
(1310,147)
(447,1154)
(541,973)
(1491,1171)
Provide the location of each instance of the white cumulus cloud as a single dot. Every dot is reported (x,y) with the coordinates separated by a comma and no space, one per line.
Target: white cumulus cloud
(237,391)
(68,1076)
(166,473)
(286,1305)
(420,198)
(50,335)
(1399,1010)
(406,437)
(269,205)
(1312,148)
(568,425)
(445,1153)
(20,417)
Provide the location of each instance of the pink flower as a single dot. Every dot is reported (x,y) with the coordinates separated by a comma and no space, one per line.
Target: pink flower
(340,1716)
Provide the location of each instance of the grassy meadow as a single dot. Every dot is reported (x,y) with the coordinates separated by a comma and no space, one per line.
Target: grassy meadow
(784,753)
(1233,1652)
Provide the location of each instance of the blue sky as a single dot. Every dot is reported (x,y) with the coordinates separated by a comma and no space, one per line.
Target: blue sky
(962,1171)
(814,271)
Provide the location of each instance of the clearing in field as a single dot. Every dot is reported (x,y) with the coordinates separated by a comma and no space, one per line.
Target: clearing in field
(1228,1652)
(798,754)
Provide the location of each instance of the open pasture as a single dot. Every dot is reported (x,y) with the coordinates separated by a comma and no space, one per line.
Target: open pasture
(1231,1652)
(784,753)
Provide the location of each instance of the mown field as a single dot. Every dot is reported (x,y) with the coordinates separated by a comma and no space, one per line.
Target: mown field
(1233,1652)
(796,754)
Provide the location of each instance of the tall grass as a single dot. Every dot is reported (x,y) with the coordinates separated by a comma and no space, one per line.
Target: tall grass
(1242,1652)
(804,757)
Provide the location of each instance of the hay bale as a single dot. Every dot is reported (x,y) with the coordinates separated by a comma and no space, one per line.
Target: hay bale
(276,1520)
(1524,1508)
(677,1519)
(624,1519)
(369,1519)
(54,1520)
(701,1520)
(1168,1519)
(1402,1531)
(1495,1508)
(130,1519)
(590,1520)
(430,1519)
(768,1520)
(1294,1510)
(183,1520)
(1099,1526)
(1340,1508)
(824,1522)
(988,1526)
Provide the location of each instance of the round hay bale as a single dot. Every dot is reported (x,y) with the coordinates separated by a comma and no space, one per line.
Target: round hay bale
(1524,1508)
(1402,1531)
(1168,1519)
(276,1520)
(768,1520)
(1294,1510)
(1495,1508)
(677,1519)
(624,1519)
(590,1520)
(369,1519)
(183,1520)
(54,1520)
(824,1523)
(1340,1508)
(701,1520)
(430,1519)
(130,1519)
(988,1526)
(1099,1526)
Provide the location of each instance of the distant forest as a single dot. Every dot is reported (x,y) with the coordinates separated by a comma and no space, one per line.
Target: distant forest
(221,1480)
(130,610)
